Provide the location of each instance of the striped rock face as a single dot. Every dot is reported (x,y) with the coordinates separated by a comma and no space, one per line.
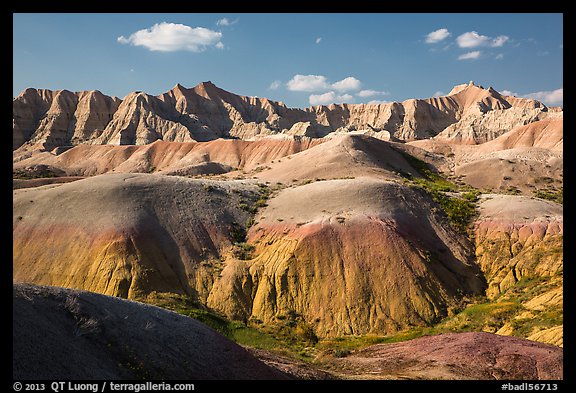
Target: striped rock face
(518,237)
(127,235)
(351,256)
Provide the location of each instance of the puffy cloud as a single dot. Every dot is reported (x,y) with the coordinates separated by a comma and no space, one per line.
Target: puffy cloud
(553,97)
(499,41)
(345,98)
(226,22)
(329,98)
(275,85)
(438,94)
(318,40)
(346,84)
(499,56)
(370,93)
(470,55)
(472,39)
(171,37)
(308,83)
(378,102)
(311,83)
(219,45)
(437,36)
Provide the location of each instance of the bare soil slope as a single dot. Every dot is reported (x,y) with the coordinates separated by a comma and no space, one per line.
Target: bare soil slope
(62,334)
(455,356)
(180,158)
(341,156)
(525,159)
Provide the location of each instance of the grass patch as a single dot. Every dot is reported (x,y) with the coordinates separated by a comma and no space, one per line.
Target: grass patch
(288,337)
(554,196)
(460,209)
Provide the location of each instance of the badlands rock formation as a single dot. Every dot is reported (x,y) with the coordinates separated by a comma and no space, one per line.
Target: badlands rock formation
(62,334)
(518,237)
(526,158)
(519,241)
(58,118)
(341,156)
(127,234)
(320,216)
(351,256)
(180,158)
(455,356)
(45,120)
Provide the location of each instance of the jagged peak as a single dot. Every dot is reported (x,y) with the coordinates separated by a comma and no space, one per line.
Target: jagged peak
(206,89)
(464,86)
(178,86)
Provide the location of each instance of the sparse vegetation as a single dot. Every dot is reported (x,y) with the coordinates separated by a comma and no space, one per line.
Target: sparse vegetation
(289,336)
(33,173)
(554,196)
(460,209)
(237,233)
(243,251)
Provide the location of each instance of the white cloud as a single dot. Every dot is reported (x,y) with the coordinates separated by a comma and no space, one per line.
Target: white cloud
(318,40)
(329,98)
(470,55)
(499,41)
(171,37)
(472,39)
(219,45)
(313,83)
(370,93)
(438,94)
(226,22)
(275,85)
(437,36)
(554,97)
(346,84)
(499,56)
(345,98)
(378,102)
(308,83)
(508,93)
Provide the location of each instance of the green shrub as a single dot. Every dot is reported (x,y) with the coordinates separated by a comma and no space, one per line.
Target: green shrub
(243,251)
(554,196)
(341,353)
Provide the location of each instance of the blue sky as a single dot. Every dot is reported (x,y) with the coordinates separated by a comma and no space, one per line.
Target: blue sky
(300,59)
